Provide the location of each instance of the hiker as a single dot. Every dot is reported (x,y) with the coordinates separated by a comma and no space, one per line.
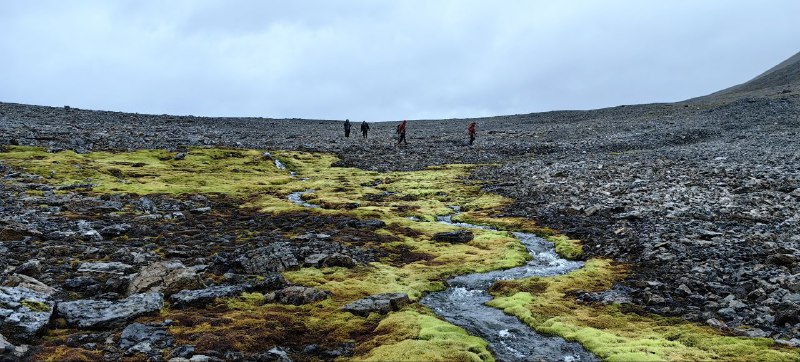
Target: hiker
(471,131)
(401,132)
(347,128)
(364,128)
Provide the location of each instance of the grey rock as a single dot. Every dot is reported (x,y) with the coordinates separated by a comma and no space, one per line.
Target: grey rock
(189,298)
(201,210)
(113,267)
(458,236)
(165,276)
(103,314)
(276,354)
(140,338)
(314,259)
(379,303)
(23,313)
(24,281)
(185,351)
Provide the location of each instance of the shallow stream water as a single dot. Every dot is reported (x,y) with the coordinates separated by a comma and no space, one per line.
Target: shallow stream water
(462,303)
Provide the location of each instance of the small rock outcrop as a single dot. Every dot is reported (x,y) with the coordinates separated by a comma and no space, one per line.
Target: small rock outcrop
(165,276)
(23,313)
(299,295)
(102,314)
(275,257)
(458,236)
(148,340)
(380,303)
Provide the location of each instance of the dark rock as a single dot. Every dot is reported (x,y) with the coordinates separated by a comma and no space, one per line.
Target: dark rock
(459,236)
(787,312)
(30,268)
(370,224)
(115,230)
(379,303)
(298,295)
(275,257)
(338,260)
(80,283)
(103,314)
(140,338)
(23,313)
(184,351)
(179,156)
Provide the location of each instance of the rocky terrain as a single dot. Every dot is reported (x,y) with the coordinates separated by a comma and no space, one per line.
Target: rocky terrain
(700,198)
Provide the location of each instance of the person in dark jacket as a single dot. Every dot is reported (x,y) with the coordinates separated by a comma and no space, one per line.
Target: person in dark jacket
(471,131)
(401,133)
(364,128)
(347,128)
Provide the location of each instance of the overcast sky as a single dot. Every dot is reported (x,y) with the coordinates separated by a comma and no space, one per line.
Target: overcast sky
(383,60)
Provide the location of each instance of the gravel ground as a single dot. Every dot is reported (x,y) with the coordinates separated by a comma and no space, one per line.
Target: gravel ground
(701,198)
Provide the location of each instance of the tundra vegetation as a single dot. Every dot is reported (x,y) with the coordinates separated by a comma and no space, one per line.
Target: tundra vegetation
(409,261)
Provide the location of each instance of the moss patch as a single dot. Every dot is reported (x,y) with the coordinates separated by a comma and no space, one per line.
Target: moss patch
(612,334)
(412,335)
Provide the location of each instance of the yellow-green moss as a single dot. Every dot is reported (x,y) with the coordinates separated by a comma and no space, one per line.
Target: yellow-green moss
(413,336)
(36,306)
(614,335)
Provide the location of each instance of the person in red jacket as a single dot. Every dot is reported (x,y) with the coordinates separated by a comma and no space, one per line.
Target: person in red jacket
(401,132)
(471,131)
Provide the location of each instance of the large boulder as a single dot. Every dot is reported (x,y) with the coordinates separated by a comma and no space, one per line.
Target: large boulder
(458,236)
(194,298)
(103,314)
(23,313)
(165,276)
(299,295)
(275,257)
(380,303)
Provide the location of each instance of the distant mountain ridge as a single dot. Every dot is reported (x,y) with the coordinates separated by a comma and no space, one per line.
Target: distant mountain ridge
(778,79)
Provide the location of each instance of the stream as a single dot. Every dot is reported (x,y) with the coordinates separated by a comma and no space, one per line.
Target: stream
(462,303)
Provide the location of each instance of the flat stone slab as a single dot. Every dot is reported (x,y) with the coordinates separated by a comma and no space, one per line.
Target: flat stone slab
(379,303)
(88,313)
(107,268)
(189,298)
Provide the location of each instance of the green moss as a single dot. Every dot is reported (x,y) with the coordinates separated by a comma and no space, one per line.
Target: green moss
(614,335)
(565,247)
(413,336)
(35,305)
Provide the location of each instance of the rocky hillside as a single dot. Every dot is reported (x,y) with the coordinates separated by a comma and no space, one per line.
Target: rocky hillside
(781,79)
(699,200)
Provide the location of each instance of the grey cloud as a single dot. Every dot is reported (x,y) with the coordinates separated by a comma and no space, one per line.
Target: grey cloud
(382,60)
